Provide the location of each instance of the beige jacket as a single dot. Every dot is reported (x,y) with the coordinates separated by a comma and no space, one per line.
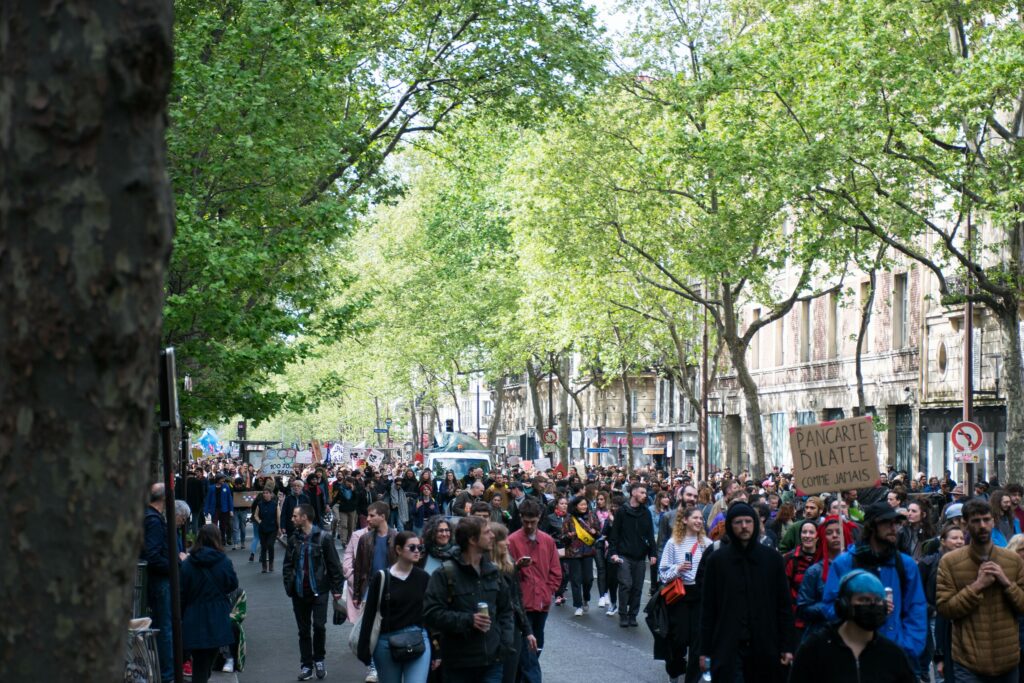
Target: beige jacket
(985,635)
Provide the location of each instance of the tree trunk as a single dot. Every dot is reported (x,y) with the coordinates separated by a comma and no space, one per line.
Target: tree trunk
(563,417)
(86,222)
(628,412)
(499,404)
(1013,380)
(865,320)
(417,443)
(755,429)
(533,379)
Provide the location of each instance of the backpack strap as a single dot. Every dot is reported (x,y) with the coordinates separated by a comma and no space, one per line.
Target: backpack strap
(449,574)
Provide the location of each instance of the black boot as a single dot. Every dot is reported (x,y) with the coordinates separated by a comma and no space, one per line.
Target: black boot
(265,567)
(252,557)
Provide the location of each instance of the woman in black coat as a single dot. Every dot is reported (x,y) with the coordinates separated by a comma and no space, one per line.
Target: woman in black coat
(207,577)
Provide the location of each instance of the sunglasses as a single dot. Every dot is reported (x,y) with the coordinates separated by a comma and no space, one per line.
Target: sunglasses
(415,548)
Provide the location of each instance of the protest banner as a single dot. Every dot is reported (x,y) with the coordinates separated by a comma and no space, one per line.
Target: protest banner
(243,499)
(277,462)
(304,457)
(834,456)
(542,464)
(581,469)
(318,455)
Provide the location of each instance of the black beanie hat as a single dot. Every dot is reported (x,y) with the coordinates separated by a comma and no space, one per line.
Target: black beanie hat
(739,510)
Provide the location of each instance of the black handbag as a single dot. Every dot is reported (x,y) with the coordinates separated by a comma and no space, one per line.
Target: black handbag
(406,646)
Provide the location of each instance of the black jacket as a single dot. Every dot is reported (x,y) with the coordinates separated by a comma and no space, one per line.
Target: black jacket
(825,657)
(452,595)
(632,534)
(327,574)
(291,501)
(154,549)
(195,493)
(744,587)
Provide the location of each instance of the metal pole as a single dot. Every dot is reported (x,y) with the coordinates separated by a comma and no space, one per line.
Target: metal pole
(968,359)
(168,422)
(704,464)
(478,409)
(551,400)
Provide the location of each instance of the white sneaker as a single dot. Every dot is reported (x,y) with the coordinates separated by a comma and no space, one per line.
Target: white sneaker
(578,612)
(229,665)
(371,675)
(612,611)
(602,601)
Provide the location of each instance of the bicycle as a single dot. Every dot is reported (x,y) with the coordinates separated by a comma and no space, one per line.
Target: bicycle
(141,661)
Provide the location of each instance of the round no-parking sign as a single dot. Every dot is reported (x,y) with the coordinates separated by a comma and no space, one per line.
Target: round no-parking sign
(966,436)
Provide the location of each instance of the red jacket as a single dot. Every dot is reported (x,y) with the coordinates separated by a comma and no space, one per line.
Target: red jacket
(541,579)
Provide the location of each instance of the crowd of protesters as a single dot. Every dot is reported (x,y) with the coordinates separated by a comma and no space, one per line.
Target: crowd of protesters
(454,577)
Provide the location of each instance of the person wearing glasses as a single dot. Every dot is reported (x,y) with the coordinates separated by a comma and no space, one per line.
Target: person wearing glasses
(401,608)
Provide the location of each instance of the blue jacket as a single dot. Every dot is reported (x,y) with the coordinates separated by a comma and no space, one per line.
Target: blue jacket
(908,623)
(154,549)
(207,576)
(1000,539)
(809,606)
(227,499)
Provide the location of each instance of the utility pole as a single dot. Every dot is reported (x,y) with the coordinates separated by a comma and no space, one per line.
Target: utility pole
(478,409)
(968,356)
(551,399)
(376,407)
(702,432)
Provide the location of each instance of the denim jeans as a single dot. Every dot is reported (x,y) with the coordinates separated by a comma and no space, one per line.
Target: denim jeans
(961,674)
(477,674)
(241,518)
(529,662)
(158,593)
(390,671)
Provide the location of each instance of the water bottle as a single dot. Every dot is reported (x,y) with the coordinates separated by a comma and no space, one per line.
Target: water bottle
(707,672)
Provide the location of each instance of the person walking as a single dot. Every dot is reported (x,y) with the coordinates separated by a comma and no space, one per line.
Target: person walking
(746,612)
(267,526)
(374,552)
(680,559)
(468,604)
(798,561)
(523,638)
(951,538)
(220,504)
(311,570)
(438,543)
(581,532)
(854,651)
(554,525)
(158,584)
(292,500)
(207,578)
(538,579)
(980,588)
(633,549)
(834,535)
(877,552)
(401,609)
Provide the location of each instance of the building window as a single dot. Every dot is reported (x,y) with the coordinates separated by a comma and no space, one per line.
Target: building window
(806,417)
(488,408)
(715,441)
(904,428)
(671,400)
(779,440)
(900,312)
(780,342)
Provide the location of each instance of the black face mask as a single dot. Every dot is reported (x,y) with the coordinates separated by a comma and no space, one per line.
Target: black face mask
(869,617)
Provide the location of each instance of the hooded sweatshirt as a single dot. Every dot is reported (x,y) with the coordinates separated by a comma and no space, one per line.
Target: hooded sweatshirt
(632,534)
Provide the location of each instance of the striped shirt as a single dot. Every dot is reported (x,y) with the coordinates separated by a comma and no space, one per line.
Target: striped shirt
(674,554)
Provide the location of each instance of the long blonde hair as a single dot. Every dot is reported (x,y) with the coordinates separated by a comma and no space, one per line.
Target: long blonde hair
(500,555)
(679,526)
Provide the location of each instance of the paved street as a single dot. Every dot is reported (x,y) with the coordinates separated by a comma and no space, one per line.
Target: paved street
(576,649)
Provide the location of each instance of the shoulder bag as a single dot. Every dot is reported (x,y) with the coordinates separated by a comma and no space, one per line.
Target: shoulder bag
(353,636)
(408,645)
(674,590)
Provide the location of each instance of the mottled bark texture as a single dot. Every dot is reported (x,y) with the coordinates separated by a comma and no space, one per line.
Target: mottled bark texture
(86,223)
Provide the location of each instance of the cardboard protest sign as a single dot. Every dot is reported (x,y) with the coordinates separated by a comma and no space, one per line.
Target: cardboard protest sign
(243,499)
(304,457)
(318,455)
(581,469)
(542,464)
(834,456)
(278,461)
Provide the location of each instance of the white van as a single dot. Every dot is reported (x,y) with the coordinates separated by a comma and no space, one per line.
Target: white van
(459,453)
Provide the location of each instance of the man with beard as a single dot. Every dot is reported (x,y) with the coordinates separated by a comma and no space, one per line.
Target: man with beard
(687,500)
(876,552)
(746,623)
(980,588)
(632,547)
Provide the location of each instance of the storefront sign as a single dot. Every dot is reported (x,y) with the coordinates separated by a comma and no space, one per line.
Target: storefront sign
(834,456)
